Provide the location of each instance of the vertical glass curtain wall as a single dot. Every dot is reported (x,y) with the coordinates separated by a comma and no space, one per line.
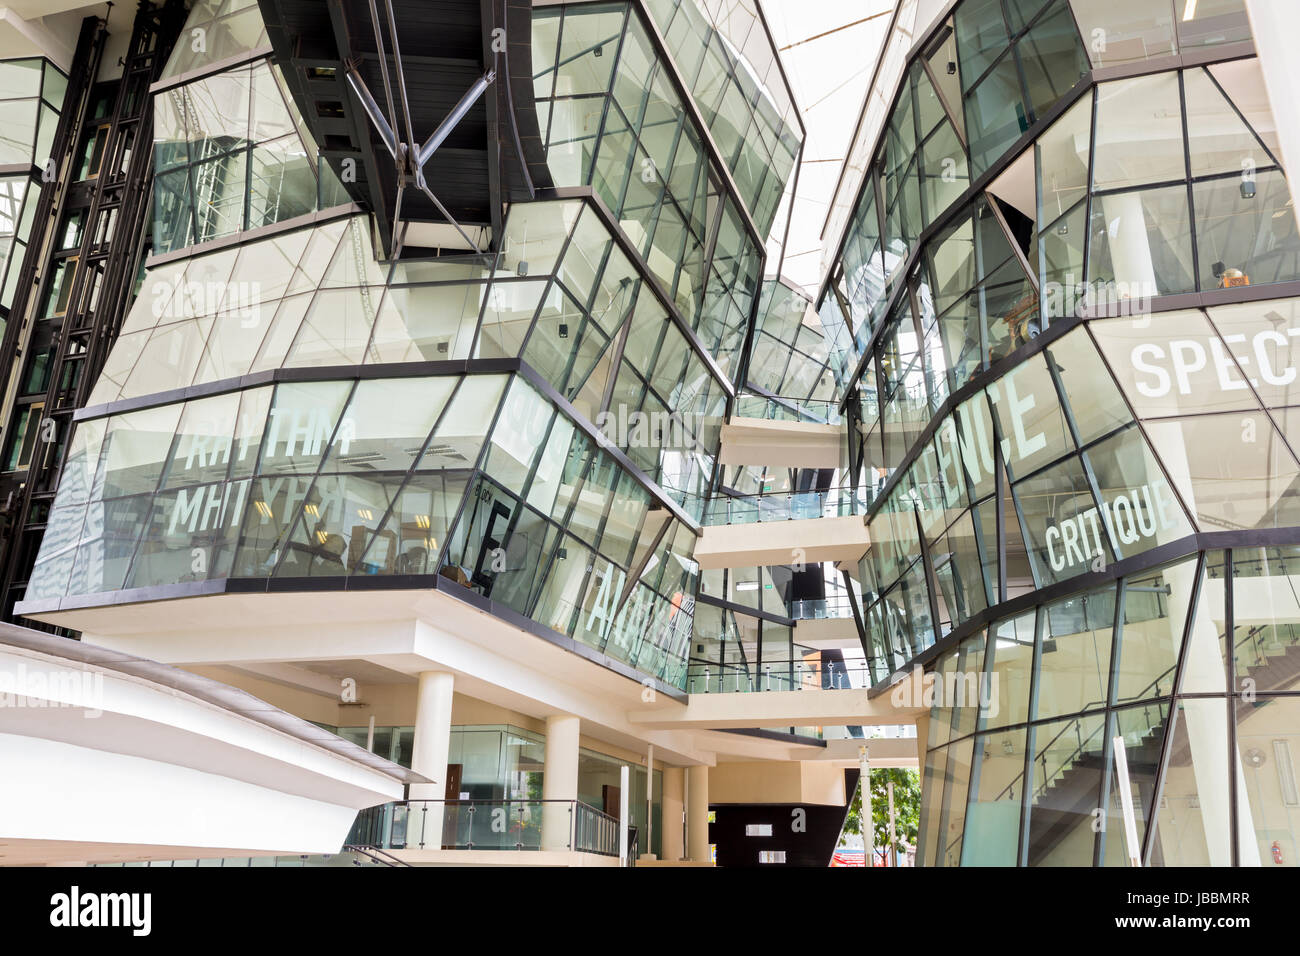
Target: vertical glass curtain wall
(613,118)
(981,488)
(31,99)
(231,153)
(789,360)
(1190,667)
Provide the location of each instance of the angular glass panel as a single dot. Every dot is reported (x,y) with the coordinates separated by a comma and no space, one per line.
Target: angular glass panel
(169,359)
(519,435)
(336,328)
(1139,132)
(1032,423)
(1068,766)
(1074,672)
(995,114)
(1205,664)
(108,542)
(339,515)
(416,527)
(190,535)
(1138,507)
(1141,245)
(386,423)
(1260,337)
(1266,804)
(1063,529)
(253,407)
(1192,824)
(557,605)
(1155,613)
(1211,22)
(273,505)
(964,584)
(78,476)
(136,449)
(1218,140)
(1178,366)
(1142,730)
(955,785)
(49,577)
(1246,231)
(1061,155)
(1095,401)
(301,424)
(1243,82)
(1266,618)
(1232,470)
(426,323)
(929,837)
(1125,31)
(1052,58)
(464,426)
(982,36)
(202,450)
(993,818)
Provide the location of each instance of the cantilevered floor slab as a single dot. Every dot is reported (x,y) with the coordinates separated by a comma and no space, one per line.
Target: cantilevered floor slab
(804,541)
(760,441)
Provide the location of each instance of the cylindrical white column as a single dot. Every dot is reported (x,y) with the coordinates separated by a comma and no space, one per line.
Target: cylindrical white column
(697,813)
(649,799)
(429,756)
(624,783)
(866,821)
(1273,29)
(672,837)
(559,781)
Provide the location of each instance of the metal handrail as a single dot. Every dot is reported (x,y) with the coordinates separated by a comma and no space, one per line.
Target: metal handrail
(389,825)
(782,675)
(769,408)
(782,506)
(807,608)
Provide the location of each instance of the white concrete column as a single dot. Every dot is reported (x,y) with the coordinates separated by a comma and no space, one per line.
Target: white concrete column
(697,813)
(672,841)
(1130,245)
(559,780)
(429,754)
(1274,25)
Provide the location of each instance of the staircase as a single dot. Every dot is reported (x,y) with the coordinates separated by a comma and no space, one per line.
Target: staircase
(1071,794)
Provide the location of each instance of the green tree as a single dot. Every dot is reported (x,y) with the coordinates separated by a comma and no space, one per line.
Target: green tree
(907,808)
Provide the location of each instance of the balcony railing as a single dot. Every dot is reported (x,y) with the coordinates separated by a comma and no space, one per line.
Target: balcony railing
(780,506)
(786,410)
(487,825)
(776,676)
(816,609)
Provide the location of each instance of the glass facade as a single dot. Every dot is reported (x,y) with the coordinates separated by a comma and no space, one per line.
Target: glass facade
(536,427)
(31,99)
(1080,488)
(231,153)
(613,118)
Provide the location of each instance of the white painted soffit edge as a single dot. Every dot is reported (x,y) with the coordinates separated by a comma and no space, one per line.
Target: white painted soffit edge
(146,692)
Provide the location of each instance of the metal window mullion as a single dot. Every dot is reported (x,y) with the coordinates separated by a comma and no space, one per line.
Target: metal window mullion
(1230,706)
(1187,172)
(1166,748)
